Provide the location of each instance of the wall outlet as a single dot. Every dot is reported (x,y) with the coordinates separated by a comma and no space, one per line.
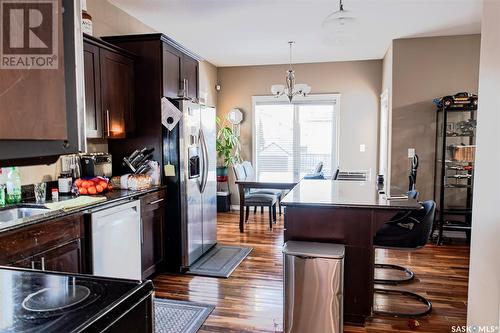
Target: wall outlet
(411,152)
(362,148)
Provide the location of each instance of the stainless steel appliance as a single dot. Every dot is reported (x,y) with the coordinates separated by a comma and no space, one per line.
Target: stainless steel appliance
(96,164)
(116,241)
(192,199)
(313,287)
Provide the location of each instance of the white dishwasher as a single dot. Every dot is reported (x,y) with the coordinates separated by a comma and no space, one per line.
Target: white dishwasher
(116,241)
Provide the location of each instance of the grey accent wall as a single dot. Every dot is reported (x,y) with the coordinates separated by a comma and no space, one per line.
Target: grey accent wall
(422,69)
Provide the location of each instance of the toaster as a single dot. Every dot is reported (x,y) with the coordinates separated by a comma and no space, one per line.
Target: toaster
(96,164)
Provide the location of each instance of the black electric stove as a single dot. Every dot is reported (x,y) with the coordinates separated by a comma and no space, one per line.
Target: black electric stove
(35,301)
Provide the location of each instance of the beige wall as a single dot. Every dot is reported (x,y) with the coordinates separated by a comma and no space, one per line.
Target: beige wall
(208,80)
(484,278)
(358,82)
(387,86)
(422,69)
(110,20)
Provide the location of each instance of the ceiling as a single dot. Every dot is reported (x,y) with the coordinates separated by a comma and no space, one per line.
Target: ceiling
(256,32)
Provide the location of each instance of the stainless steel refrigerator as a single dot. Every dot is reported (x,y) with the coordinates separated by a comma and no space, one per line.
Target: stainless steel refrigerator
(189,149)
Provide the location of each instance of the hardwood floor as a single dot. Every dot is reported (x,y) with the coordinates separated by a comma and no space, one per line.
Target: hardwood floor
(251,299)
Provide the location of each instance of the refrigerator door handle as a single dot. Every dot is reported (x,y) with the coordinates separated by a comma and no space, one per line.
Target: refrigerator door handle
(205,161)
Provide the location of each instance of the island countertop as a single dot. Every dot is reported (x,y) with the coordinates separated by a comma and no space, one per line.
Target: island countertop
(342,193)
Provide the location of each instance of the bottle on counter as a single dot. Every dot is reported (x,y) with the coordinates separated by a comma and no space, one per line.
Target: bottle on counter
(55,195)
(64,183)
(13,185)
(2,189)
(86,20)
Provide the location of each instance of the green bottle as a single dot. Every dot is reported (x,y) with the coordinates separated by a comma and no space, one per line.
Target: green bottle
(2,189)
(13,183)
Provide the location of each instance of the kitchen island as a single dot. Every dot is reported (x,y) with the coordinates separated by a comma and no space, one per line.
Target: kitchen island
(349,213)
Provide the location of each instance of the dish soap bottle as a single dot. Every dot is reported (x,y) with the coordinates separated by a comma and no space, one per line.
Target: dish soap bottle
(13,183)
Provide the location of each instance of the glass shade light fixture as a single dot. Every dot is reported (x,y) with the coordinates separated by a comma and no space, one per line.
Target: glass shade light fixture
(290,89)
(338,18)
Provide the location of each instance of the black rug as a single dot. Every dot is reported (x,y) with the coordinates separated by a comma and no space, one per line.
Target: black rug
(179,316)
(220,261)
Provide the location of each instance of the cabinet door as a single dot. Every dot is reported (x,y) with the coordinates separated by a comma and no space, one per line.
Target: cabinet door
(93,111)
(29,262)
(65,258)
(190,73)
(117,75)
(172,60)
(153,229)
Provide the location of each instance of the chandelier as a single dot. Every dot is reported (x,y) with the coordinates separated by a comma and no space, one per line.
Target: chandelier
(290,89)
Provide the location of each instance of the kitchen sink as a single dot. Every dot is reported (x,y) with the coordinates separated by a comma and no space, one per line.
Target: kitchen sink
(13,214)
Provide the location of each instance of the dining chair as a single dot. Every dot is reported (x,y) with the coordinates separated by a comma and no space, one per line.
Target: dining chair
(253,199)
(409,234)
(250,173)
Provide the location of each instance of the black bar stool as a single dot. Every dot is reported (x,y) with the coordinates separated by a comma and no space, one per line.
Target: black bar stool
(410,233)
(409,275)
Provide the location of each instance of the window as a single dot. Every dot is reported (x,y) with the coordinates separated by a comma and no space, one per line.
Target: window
(290,139)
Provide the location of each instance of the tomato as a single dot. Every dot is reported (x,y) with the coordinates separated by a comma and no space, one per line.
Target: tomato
(78,182)
(110,187)
(99,188)
(86,184)
(103,184)
(92,190)
(82,190)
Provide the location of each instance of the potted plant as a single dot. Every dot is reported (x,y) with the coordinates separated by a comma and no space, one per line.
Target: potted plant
(227,147)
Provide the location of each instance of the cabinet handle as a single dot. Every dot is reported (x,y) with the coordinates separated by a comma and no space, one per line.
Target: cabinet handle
(43,263)
(32,264)
(187,88)
(107,121)
(142,232)
(155,202)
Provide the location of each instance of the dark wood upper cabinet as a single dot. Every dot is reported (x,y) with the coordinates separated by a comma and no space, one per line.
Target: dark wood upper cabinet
(190,74)
(179,66)
(109,90)
(117,88)
(93,110)
(42,113)
(172,63)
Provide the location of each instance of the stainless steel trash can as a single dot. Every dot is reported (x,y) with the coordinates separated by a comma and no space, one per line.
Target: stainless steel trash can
(313,287)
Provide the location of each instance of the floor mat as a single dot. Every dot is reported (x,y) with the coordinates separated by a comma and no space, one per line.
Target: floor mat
(220,261)
(179,316)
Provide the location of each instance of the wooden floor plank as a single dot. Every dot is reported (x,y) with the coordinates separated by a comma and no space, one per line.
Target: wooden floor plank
(251,299)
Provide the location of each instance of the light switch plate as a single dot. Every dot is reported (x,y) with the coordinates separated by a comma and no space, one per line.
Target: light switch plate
(362,148)
(411,152)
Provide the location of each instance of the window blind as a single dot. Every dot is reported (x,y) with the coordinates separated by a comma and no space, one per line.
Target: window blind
(292,138)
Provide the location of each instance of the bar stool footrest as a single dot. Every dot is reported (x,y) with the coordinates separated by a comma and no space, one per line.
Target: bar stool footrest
(421,299)
(409,274)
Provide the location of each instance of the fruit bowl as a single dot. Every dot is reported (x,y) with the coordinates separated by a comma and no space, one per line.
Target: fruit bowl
(93,186)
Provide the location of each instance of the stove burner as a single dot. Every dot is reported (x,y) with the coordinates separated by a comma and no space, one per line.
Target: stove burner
(55,299)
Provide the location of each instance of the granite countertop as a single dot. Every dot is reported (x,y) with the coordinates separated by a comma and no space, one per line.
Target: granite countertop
(341,193)
(112,198)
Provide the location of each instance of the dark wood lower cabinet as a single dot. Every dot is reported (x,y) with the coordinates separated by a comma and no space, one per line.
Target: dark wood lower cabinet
(53,246)
(65,258)
(153,231)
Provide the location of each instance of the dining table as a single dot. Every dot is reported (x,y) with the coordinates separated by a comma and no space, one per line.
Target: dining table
(282,182)
(350,213)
